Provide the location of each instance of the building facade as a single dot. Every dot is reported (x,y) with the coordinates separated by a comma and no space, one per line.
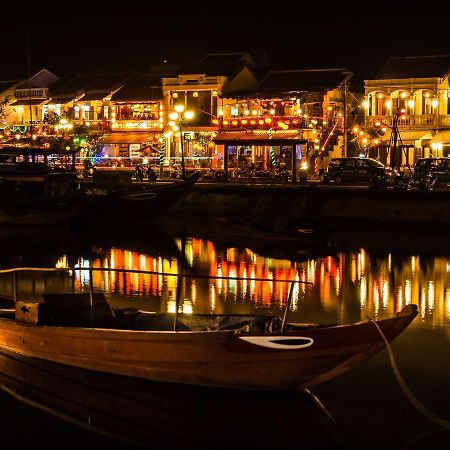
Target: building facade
(414,93)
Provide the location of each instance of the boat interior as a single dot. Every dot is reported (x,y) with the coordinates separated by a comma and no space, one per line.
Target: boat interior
(75,310)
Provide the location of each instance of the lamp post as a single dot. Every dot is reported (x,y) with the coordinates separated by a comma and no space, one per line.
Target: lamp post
(176,118)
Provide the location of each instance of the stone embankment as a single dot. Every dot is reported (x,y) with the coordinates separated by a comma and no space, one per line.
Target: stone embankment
(283,208)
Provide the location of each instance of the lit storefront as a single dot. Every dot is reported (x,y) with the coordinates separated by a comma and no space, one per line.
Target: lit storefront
(262,149)
(133,145)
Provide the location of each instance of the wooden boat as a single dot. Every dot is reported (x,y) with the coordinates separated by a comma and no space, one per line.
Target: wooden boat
(113,196)
(228,351)
(34,193)
(155,415)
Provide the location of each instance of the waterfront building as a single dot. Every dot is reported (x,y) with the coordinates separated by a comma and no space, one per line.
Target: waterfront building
(24,113)
(85,98)
(417,91)
(136,119)
(286,120)
(198,88)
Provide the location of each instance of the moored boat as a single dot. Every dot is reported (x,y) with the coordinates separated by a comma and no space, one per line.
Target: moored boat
(113,196)
(32,192)
(227,351)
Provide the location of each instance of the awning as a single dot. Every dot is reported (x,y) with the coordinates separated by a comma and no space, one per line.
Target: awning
(442,137)
(28,101)
(131,138)
(408,137)
(260,137)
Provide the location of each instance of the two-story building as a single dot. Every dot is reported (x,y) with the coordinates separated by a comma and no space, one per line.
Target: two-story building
(136,115)
(27,106)
(289,117)
(198,88)
(414,94)
(85,97)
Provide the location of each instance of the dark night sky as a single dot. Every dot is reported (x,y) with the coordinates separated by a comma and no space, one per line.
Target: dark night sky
(309,34)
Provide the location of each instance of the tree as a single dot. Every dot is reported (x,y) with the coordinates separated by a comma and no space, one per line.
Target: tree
(4,108)
(87,139)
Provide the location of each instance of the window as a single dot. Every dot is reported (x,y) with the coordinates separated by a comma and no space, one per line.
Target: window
(427,106)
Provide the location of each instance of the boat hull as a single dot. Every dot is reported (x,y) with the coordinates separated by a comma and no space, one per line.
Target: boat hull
(138,203)
(216,359)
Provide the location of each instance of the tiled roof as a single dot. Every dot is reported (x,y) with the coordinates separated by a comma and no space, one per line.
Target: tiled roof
(141,87)
(77,83)
(227,69)
(302,80)
(415,67)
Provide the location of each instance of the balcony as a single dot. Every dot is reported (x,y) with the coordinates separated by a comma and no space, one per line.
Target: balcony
(137,125)
(264,122)
(31,93)
(413,122)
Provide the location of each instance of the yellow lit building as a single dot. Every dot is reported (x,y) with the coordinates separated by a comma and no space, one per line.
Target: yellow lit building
(419,90)
(27,105)
(198,88)
(286,120)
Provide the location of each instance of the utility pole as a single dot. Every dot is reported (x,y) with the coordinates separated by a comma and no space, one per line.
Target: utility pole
(345,119)
(29,86)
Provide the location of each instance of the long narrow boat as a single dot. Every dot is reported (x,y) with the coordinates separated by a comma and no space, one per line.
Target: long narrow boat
(112,199)
(229,351)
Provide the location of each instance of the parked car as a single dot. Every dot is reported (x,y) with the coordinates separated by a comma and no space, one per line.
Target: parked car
(432,171)
(354,169)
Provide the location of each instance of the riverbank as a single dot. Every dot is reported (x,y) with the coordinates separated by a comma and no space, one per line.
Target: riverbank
(289,208)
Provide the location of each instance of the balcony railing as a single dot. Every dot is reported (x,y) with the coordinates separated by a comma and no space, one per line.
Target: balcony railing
(410,121)
(263,122)
(137,125)
(31,93)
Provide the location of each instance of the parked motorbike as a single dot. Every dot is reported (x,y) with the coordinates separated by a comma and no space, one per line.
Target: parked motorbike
(139,173)
(152,175)
(401,182)
(378,183)
(427,183)
(214,175)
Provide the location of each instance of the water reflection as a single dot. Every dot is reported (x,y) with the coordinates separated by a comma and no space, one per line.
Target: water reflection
(346,286)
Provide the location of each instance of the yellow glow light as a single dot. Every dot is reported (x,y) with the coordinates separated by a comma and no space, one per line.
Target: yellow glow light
(188,115)
(179,108)
(173,116)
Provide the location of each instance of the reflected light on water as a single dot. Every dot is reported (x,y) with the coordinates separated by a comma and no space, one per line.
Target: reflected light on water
(363,292)
(447,304)
(377,285)
(431,292)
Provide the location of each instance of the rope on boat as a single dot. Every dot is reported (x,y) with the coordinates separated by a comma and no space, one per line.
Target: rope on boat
(415,402)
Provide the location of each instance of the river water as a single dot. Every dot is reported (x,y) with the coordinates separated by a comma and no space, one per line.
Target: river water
(337,284)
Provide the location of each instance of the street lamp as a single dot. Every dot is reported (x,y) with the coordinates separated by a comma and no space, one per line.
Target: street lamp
(176,118)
